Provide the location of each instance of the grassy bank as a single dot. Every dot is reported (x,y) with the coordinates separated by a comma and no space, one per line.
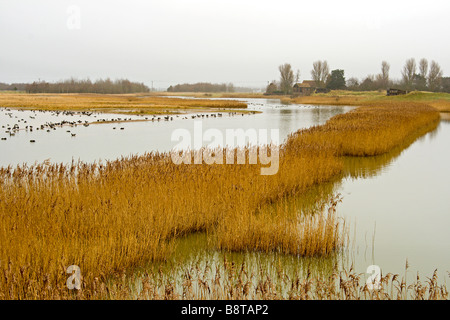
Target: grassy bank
(438,100)
(125,213)
(236,95)
(134,103)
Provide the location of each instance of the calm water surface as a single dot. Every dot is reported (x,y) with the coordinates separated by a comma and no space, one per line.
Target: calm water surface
(103,142)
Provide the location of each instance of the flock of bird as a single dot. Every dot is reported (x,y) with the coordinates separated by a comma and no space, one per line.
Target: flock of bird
(49,126)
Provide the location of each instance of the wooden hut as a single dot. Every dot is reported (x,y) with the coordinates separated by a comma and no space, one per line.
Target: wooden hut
(395,92)
(306,88)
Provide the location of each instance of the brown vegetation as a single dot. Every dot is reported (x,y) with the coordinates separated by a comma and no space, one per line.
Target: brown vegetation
(124,213)
(107,103)
(232,281)
(440,101)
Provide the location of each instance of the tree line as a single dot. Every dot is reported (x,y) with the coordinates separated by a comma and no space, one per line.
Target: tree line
(424,76)
(202,87)
(106,86)
(12,86)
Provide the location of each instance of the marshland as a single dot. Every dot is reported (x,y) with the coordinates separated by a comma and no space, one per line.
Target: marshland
(211,150)
(139,226)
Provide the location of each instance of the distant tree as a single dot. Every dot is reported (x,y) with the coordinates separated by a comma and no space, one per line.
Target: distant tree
(352,84)
(435,76)
(419,82)
(297,76)
(86,86)
(408,73)
(336,80)
(320,72)
(272,88)
(231,87)
(286,78)
(423,67)
(383,77)
(13,86)
(445,84)
(420,79)
(368,84)
(202,87)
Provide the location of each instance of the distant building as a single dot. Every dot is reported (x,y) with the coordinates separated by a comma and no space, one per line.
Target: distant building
(395,92)
(307,87)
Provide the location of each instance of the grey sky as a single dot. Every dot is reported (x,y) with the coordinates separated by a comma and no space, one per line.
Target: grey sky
(217,41)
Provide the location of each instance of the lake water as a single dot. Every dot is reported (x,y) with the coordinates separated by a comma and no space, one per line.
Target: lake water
(103,142)
(397,205)
(404,207)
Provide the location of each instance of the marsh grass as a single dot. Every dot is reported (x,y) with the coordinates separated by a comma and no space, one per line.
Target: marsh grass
(370,130)
(438,100)
(135,103)
(122,214)
(234,95)
(228,279)
(232,281)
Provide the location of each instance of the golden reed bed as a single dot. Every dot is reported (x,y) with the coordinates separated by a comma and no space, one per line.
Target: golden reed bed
(438,100)
(137,103)
(124,213)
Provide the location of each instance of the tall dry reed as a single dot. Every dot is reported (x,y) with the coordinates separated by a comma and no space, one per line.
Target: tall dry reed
(121,214)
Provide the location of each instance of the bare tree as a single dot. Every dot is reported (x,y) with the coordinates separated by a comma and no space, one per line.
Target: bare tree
(434,76)
(297,76)
(286,78)
(384,75)
(423,67)
(352,83)
(408,72)
(320,72)
(420,80)
(316,72)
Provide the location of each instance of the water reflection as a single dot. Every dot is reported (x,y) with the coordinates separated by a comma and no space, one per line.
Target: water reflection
(366,167)
(399,205)
(395,206)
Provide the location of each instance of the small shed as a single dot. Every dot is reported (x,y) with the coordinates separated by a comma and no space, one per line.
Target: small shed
(395,92)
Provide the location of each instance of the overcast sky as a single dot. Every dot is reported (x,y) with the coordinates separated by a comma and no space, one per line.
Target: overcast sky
(177,41)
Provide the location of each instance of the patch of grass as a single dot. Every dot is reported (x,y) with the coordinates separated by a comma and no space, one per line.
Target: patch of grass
(438,100)
(213,95)
(108,103)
